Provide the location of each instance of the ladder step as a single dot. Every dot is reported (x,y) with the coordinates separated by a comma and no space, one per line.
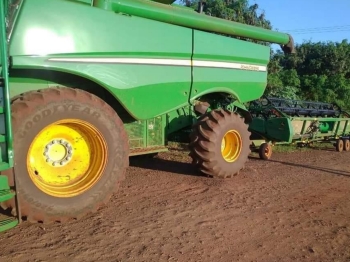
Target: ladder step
(4,183)
(1,110)
(5,191)
(4,166)
(2,138)
(6,194)
(7,222)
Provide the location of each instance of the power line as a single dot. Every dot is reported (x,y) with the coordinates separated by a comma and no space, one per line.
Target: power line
(328,29)
(318,28)
(320,32)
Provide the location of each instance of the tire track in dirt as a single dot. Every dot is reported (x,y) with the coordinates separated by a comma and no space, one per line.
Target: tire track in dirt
(294,207)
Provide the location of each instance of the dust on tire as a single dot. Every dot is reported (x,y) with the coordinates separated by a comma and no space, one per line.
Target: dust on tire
(205,145)
(34,110)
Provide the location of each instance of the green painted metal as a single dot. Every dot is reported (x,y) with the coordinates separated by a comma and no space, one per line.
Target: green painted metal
(5,88)
(85,1)
(283,120)
(152,61)
(133,85)
(6,222)
(6,138)
(146,135)
(5,192)
(155,11)
(93,48)
(83,39)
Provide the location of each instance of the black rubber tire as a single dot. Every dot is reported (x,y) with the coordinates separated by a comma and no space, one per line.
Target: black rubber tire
(33,111)
(346,143)
(265,151)
(339,145)
(205,145)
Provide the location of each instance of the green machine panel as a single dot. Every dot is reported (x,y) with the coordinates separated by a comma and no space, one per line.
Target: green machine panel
(146,136)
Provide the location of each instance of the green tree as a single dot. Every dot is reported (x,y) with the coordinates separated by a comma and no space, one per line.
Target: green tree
(323,69)
(234,10)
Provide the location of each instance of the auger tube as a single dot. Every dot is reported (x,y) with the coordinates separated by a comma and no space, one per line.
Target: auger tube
(169,14)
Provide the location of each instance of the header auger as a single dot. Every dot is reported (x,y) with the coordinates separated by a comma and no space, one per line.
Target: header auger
(278,120)
(92,83)
(295,108)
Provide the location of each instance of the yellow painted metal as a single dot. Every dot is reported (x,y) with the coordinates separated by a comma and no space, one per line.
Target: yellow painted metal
(67,158)
(231,146)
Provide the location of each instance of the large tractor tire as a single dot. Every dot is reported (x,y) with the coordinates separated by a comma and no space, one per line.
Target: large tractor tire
(71,153)
(220,143)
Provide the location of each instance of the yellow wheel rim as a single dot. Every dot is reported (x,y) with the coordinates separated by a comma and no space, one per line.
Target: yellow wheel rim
(231,146)
(267,151)
(67,158)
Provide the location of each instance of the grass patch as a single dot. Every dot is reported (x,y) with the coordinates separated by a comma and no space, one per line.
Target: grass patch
(290,148)
(279,148)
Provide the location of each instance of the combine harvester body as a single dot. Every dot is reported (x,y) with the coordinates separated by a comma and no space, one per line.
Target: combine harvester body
(86,84)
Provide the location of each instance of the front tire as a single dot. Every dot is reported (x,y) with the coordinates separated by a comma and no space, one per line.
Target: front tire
(265,151)
(220,143)
(71,153)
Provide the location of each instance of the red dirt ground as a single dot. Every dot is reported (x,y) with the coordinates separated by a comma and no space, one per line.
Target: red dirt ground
(295,207)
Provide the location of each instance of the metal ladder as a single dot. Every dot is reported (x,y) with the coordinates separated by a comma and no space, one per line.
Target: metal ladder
(6,138)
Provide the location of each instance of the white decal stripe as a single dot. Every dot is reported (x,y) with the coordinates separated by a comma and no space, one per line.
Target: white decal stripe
(175,62)
(228,65)
(126,61)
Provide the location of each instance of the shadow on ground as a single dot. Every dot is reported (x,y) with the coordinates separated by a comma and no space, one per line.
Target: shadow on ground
(323,169)
(165,165)
(329,149)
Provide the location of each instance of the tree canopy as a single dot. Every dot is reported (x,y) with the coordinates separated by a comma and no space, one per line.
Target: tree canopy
(234,10)
(318,71)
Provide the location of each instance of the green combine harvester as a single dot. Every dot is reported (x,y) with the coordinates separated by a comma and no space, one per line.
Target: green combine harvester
(87,84)
(278,120)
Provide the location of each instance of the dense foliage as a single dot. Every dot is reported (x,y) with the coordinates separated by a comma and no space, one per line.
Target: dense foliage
(234,10)
(318,71)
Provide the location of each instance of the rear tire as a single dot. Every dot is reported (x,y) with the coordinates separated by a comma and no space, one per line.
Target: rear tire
(339,145)
(220,143)
(71,153)
(346,144)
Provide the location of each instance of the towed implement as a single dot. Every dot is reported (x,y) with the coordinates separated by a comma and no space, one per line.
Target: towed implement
(278,120)
(88,84)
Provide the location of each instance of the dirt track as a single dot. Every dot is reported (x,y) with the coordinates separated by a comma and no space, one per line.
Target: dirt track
(295,207)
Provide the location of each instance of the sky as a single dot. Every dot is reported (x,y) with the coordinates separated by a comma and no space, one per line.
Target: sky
(315,20)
